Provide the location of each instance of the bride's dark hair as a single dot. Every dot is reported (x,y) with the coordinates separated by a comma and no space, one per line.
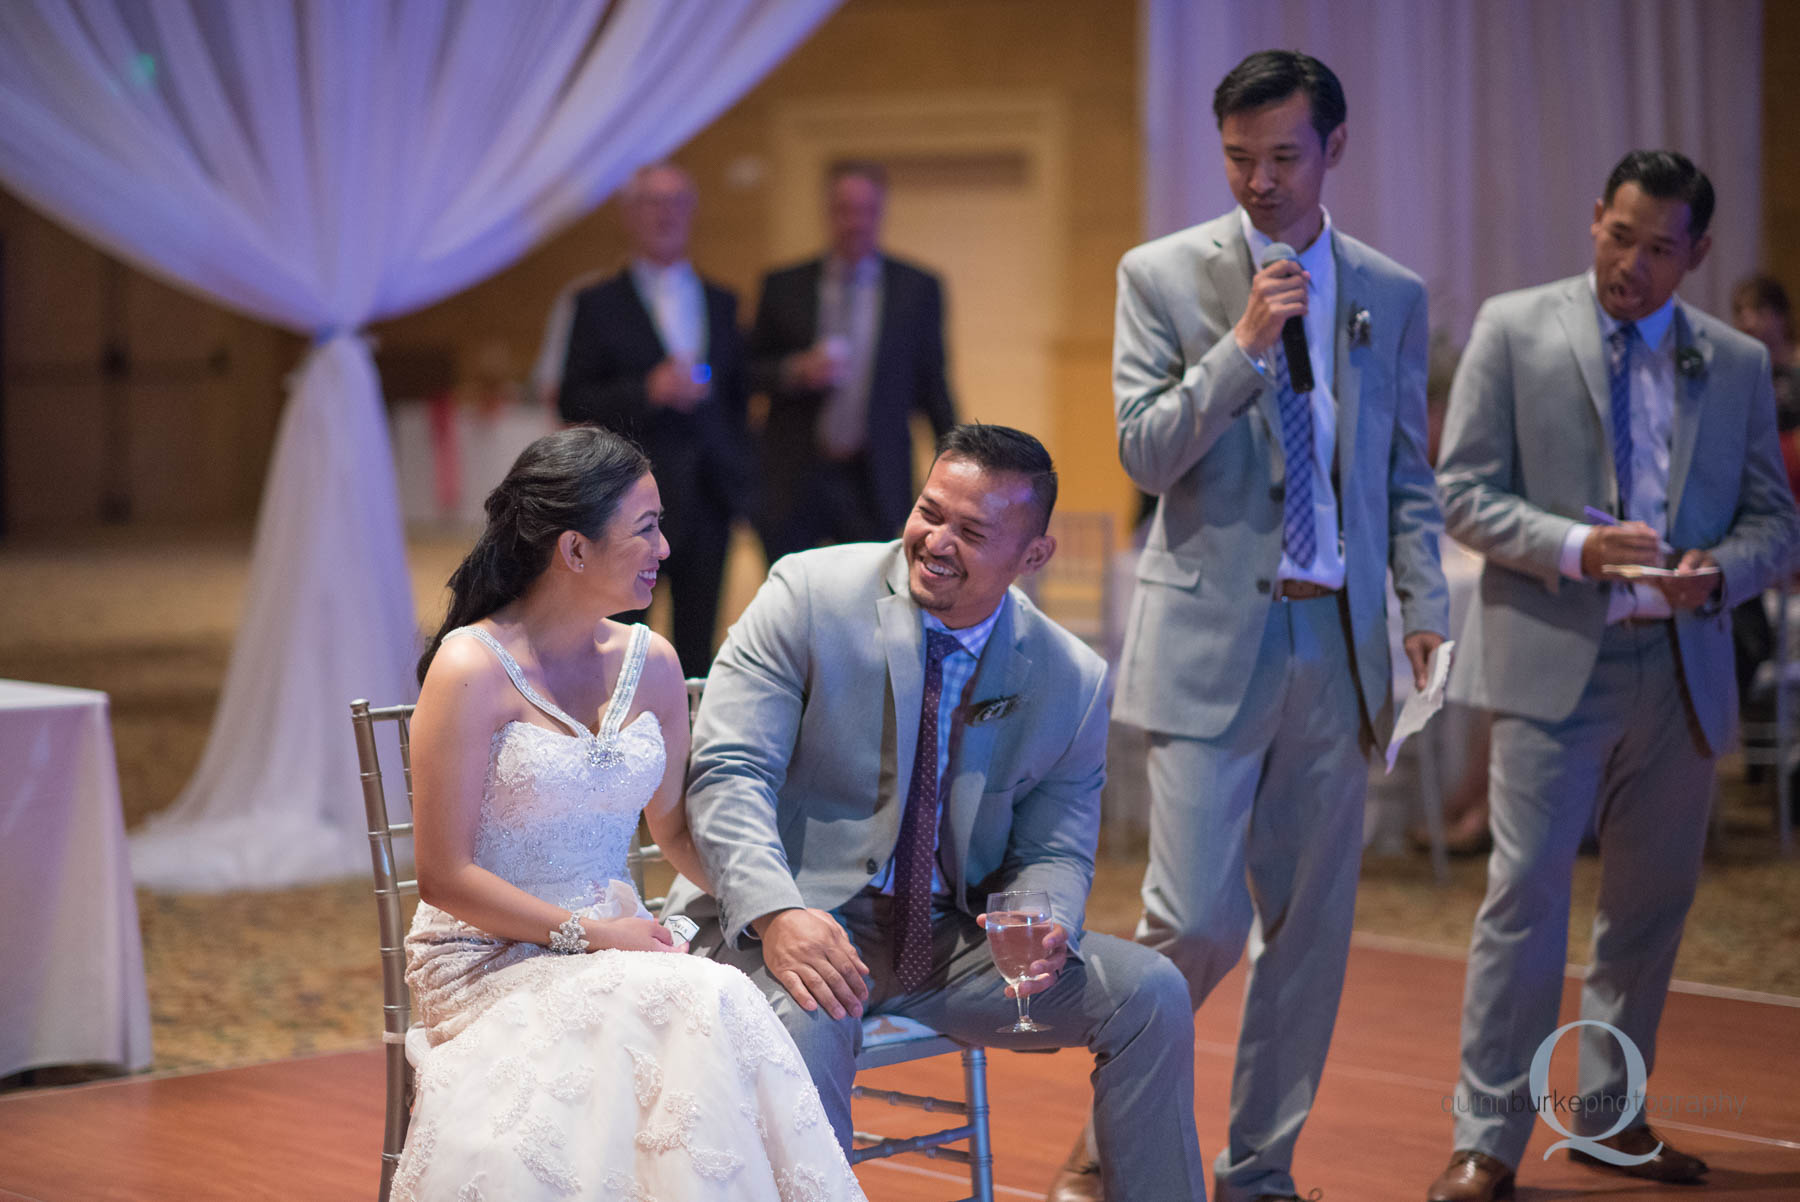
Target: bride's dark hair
(570,480)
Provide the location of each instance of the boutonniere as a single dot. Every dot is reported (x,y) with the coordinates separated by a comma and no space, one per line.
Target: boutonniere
(993,709)
(1358,328)
(1690,362)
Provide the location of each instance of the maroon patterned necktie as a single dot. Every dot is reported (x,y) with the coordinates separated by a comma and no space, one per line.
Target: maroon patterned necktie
(916,851)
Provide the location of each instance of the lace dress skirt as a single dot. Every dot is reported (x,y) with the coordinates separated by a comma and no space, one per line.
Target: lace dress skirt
(643,1076)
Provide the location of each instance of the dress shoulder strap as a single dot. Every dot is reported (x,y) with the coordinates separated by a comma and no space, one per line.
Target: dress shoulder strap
(516,674)
(626,688)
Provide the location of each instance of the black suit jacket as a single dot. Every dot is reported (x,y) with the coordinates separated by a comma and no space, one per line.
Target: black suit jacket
(909,374)
(702,460)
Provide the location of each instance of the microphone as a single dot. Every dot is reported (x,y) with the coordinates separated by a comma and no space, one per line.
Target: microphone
(1293,331)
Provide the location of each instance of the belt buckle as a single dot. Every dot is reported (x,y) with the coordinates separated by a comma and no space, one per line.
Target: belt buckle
(1304,590)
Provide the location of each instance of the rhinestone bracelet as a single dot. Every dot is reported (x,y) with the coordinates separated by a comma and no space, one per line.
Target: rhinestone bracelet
(570,937)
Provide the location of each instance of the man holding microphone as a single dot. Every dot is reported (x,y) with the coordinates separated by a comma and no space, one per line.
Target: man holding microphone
(1269,380)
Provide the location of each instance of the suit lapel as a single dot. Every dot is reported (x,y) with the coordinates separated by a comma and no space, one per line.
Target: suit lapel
(807,300)
(1582,325)
(903,642)
(884,328)
(1688,397)
(1002,672)
(1230,267)
(639,310)
(716,319)
(1352,293)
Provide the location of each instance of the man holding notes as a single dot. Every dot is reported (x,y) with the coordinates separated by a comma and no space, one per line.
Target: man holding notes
(1612,453)
(1269,381)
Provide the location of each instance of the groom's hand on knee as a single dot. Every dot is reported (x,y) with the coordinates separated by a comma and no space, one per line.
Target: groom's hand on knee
(812,957)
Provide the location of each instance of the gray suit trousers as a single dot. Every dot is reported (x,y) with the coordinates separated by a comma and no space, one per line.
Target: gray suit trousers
(1630,757)
(1122,1002)
(1258,833)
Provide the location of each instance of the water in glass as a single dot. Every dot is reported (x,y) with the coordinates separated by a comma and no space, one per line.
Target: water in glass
(1017,924)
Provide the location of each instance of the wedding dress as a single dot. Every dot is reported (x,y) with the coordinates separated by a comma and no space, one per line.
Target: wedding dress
(641,1076)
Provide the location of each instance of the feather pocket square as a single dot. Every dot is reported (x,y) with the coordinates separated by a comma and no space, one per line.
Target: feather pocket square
(992,710)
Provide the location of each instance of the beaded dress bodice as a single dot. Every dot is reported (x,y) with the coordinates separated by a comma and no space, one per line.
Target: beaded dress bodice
(558,810)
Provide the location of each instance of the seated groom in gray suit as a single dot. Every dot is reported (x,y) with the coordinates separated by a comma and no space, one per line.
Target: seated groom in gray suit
(1594,422)
(890,732)
(1256,653)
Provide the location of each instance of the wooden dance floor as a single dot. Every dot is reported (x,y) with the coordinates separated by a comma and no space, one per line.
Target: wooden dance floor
(310,1129)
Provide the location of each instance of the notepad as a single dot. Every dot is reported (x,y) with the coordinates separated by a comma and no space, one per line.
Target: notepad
(1639,571)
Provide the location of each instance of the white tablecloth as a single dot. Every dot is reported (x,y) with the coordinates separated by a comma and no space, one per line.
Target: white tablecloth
(71,958)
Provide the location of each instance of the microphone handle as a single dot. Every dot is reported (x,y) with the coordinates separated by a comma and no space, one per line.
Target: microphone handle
(1299,363)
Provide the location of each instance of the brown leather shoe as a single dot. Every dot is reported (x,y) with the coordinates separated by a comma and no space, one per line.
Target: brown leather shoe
(1471,1176)
(1079,1178)
(1667,1165)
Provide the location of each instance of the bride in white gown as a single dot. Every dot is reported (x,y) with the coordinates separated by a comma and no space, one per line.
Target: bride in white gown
(576,1053)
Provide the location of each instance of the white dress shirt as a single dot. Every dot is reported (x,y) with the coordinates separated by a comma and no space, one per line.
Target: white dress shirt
(677,304)
(1652,421)
(1327,565)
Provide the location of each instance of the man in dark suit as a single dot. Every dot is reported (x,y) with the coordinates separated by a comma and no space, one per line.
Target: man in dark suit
(847,347)
(655,354)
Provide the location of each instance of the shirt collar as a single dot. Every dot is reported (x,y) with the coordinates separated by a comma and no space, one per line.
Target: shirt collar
(1652,329)
(972,639)
(1315,258)
(650,272)
(863,271)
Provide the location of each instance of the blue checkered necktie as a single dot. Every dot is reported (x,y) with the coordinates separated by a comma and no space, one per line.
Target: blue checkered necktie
(1298,535)
(1618,348)
(916,849)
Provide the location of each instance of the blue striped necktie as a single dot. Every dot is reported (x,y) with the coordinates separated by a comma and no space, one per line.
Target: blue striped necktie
(1618,345)
(1298,536)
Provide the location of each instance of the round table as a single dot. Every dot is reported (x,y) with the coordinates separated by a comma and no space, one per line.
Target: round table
(72,986)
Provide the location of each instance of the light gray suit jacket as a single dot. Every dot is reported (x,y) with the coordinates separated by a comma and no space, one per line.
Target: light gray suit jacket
(1528,443)
(803,748)
(1198,426)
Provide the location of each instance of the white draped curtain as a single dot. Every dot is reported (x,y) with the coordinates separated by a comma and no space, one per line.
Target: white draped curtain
(1480,131)
(321,164)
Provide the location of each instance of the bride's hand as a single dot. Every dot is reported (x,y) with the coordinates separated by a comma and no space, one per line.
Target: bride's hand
(630,935)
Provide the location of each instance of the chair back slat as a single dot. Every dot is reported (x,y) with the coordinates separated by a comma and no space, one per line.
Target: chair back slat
(396,1008)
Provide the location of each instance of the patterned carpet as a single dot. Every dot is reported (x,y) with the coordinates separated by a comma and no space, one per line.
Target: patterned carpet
(242,977)
(238,978)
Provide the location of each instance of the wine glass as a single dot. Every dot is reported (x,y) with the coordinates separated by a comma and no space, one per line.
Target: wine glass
(1017,924)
